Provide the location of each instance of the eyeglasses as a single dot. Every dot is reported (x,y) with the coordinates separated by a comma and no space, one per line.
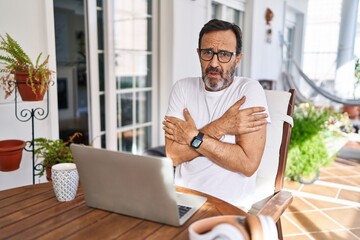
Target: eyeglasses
(222,55)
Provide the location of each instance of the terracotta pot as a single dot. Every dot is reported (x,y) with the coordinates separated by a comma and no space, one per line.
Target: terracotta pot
(25,90)
(353,111)
(10,154)
(48,174)
(309,179)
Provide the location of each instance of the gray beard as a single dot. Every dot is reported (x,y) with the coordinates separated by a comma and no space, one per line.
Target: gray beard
(224,82)
(215,86)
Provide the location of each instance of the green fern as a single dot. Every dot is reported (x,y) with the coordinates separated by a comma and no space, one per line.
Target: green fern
(13,48)
(16,60)
(51,152)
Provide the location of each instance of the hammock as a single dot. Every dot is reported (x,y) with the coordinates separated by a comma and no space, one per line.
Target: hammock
(290,84)
(334,98)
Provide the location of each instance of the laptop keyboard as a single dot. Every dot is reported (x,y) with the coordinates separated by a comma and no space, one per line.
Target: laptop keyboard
(183,210)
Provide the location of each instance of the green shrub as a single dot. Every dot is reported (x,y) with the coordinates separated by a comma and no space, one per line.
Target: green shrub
(313,127)
(306,157)
(307,149)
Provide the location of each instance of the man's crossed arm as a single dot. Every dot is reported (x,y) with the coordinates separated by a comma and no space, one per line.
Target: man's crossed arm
(248,126)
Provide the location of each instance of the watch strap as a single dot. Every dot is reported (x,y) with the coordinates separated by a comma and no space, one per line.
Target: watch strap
(200,136)
(197,140)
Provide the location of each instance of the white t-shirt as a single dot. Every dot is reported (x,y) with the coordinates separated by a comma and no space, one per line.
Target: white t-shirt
(204,107)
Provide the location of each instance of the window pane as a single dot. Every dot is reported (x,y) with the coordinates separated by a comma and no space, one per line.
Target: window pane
(100,26)
(141,81)
(288,51)
(144,66)
(124,107)
(124,69)
(132,34)
(123,34)
(232,15)
(143,107)
(125,141)
(136,65)
(101,72)
(141,6)
(103,141)
(216,10)
(124,82)
(143,139)
(102,112)
(141,34)
(125,9)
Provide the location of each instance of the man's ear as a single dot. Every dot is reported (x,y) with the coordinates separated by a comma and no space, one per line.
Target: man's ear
(238,59)
(198,52)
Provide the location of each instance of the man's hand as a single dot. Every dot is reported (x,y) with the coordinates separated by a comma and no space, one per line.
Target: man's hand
(178,130)
(236,121)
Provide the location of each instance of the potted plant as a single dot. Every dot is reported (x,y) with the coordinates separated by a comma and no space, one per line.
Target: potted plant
(32,80)
(11,154)
(317,135)
(52,152)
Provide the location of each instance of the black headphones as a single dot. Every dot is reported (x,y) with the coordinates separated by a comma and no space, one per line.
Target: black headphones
(234,227)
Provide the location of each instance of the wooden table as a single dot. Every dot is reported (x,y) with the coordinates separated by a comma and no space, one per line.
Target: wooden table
(32,212)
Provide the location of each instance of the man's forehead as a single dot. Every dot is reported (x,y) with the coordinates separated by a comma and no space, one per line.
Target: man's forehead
(219,39)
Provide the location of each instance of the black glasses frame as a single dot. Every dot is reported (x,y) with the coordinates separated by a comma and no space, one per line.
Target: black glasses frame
(217,55)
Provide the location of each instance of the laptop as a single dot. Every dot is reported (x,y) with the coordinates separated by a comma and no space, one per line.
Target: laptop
(133,185)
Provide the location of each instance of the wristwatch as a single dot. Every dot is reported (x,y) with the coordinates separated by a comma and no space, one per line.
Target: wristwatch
(197,141)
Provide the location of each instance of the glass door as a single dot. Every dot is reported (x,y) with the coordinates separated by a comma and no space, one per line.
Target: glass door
(123,66)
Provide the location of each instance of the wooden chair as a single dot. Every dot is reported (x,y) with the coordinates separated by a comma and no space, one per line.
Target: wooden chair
(270,199)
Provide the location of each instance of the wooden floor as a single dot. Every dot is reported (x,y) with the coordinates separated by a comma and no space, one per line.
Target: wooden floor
(328,208)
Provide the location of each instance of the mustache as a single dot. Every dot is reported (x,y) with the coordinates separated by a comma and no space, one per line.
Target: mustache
(213,69)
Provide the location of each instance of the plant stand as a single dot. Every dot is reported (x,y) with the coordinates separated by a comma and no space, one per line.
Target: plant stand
(25,115)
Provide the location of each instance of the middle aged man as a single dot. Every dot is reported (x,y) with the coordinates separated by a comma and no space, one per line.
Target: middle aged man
(215,125)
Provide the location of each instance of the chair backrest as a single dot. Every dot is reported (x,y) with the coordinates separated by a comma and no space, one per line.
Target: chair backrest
(270,175)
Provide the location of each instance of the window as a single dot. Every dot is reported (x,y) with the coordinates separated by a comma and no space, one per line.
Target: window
(321,39)
(289,38)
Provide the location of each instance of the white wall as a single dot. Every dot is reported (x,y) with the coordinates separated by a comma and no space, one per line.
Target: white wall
(31,23)
(266,57)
